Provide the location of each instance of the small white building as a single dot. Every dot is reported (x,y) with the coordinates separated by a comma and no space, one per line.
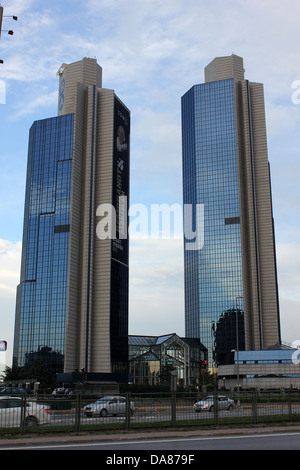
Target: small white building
(277,367)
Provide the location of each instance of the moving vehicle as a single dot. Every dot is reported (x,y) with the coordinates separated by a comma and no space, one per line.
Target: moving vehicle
(11,411)
(208,403)
(112,405)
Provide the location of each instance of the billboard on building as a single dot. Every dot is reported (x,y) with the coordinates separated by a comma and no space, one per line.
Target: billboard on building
(121,180)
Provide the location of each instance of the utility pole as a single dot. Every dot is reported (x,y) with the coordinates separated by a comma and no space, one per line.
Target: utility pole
(8,31)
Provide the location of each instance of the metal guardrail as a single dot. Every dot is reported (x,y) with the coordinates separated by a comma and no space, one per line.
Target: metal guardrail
(65,413)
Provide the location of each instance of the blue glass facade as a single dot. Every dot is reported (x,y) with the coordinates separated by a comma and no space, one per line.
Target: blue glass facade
(41,311)
(213,274)
(280,356)
(72,300)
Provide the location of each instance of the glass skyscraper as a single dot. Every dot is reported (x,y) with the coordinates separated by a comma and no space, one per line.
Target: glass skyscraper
(72,301)
(42,303)
(231,297)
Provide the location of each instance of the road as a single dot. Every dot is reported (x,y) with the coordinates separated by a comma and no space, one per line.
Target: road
(272,441)
(153,415)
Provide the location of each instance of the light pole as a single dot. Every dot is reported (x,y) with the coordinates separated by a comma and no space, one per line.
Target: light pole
(10,32)
(1,16)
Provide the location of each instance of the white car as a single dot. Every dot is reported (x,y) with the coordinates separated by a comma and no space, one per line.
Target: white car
(105,406)
(208,403)
(11,411)
(58,391)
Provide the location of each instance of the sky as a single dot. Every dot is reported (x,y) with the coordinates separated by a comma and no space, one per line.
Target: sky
(151,53)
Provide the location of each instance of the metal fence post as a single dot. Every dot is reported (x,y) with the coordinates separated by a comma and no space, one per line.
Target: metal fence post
(216,411)
(77,412)
(173,409)
(254,407)
(128,411)
(23,415)
(290,406)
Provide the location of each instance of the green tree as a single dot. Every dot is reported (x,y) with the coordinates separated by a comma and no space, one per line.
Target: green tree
(14,373)
(37,371)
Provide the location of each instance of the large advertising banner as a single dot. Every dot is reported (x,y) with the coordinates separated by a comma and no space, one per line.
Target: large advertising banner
(121,181)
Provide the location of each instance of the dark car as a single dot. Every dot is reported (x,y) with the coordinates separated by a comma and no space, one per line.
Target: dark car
(12,391)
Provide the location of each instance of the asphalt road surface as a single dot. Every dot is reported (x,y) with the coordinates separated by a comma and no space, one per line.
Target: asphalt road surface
(272,441)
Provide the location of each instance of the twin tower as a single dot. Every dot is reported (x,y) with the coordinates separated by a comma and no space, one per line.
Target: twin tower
(72,301)
(231,284)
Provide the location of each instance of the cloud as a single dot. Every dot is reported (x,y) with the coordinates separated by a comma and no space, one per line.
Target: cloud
(10,265)
(36,104)
(17,7)
(282,119)
(156,287)
(288,263)
(288,256)
(155,158)
(10,260)
(158,133)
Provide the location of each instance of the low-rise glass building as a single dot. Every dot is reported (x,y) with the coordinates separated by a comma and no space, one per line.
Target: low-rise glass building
(153,358)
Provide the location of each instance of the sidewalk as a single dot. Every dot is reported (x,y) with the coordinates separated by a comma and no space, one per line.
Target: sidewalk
(32,440)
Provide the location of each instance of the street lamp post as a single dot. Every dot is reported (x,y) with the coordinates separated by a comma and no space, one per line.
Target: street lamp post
(9,31)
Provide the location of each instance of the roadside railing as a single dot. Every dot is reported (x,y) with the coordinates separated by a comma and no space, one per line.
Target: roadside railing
(65,413)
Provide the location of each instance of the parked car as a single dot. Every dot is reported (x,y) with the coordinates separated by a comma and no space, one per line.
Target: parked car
(105,406)
(208,403)
(11,409)
(12,391)
(58,391)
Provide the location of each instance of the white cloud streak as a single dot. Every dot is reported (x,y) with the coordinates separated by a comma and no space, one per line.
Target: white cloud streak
(10,258)
(288,256)
(156,287)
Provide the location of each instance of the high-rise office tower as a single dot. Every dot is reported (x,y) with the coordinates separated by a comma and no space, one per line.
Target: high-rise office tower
(72,301)
(231,293)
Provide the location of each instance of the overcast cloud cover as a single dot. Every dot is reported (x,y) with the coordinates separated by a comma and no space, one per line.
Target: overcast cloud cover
(151,52)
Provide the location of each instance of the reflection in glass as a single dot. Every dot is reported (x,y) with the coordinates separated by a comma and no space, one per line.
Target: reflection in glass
(227,335)
(213,275)
(41,311)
